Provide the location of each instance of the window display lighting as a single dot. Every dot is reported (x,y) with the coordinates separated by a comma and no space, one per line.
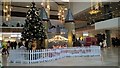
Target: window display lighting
(58,38)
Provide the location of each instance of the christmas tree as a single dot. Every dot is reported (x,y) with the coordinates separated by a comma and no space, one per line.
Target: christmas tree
(33,29)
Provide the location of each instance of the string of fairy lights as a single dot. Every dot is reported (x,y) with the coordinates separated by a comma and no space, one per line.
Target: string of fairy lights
(61,12)
(6,10)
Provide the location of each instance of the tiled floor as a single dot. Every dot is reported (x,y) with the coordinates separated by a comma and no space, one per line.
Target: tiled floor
(109,58)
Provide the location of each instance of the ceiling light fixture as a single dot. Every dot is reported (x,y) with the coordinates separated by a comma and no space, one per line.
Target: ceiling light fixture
(65,8)
(27,6)
(42,4)
(95,8)
(65,0)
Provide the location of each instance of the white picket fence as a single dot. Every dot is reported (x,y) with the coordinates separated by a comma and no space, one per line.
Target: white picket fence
(45,55)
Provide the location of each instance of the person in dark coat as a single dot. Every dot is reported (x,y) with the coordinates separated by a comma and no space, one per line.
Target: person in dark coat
(11,45)
(15,45)
(20,44)
(113,42)
(117,41)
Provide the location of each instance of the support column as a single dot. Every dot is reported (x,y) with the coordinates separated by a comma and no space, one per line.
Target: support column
(70,27)
(46,29)
(108,38)
(69,24)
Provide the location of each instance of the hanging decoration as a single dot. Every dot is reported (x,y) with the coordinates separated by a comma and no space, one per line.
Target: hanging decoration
(6,10)
(43,14)
(61,12)
(95,7)
(69,17)
(46,5)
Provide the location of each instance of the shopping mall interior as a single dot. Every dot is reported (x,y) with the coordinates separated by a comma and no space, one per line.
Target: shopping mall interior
(40,27)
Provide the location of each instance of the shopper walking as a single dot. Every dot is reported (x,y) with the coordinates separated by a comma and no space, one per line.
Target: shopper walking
(15,45)
(82,42)
(0,44)
(101,44)
(113,42)
(104,43)
(5,48)
(8,44)
(117,42)
(20,44)
(11,45)
(23,47)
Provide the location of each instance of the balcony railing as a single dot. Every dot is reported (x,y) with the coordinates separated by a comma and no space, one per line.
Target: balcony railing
(11,29)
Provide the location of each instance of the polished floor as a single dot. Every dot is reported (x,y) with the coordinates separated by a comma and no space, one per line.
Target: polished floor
(109,58)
